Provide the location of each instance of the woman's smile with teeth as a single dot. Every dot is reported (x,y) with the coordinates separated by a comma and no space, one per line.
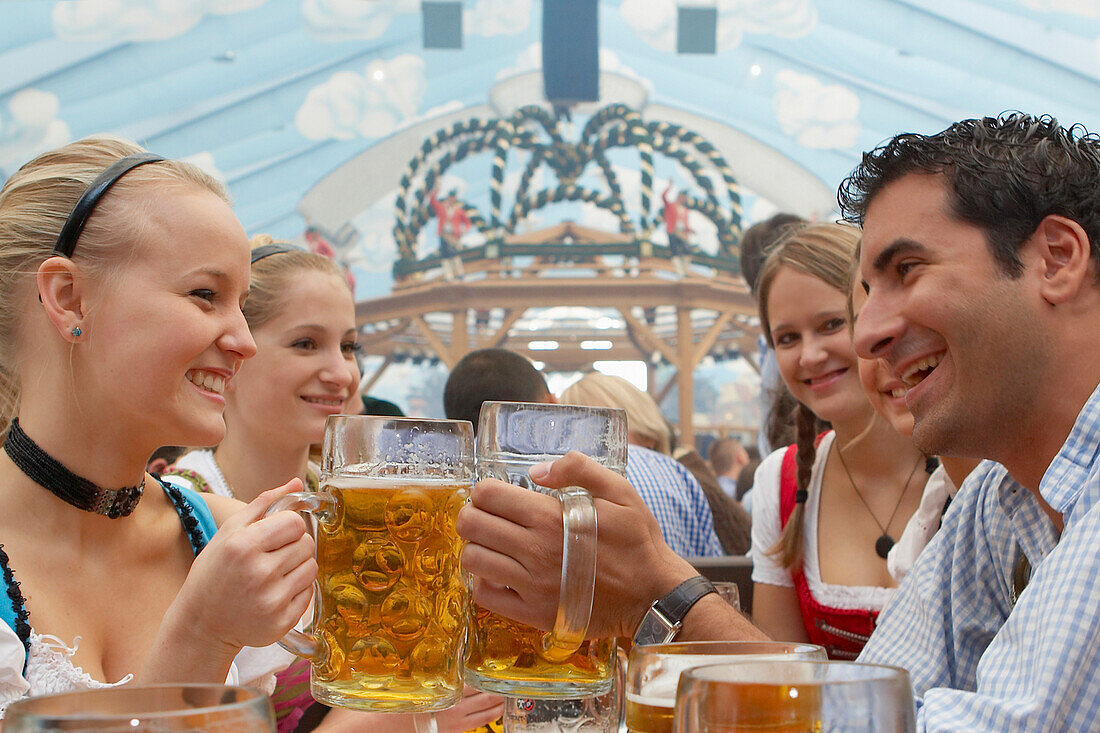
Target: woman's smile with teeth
(206,380)
(920,369)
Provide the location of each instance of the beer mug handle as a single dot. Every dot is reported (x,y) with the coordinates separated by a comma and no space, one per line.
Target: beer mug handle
(685,713)
(295,641)
(578,574)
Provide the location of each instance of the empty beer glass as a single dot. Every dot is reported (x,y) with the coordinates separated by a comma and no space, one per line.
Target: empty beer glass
(790,696)
(653,673)
(390,603)
(162,708)
(728,591)
(511,658)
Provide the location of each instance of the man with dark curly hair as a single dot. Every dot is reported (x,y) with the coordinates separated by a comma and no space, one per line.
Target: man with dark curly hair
(981,260)
(980,256)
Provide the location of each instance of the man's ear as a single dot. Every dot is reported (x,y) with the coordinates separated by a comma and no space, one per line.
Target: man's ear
(1062,249)
(60,290)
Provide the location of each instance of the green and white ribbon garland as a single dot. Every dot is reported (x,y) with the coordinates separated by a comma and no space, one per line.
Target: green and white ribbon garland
(534,130)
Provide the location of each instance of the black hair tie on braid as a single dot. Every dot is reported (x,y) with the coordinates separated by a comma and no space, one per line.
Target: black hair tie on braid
(801,496)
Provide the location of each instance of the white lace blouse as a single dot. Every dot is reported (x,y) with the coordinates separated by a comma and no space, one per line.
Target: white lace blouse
(50,668)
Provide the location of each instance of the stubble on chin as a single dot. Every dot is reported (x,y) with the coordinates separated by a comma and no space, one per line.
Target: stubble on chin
(930,433)
(937,434)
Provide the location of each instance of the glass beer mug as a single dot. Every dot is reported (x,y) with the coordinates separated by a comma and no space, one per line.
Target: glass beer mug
(166,708)
(752,695)
(389,611)
(654,670)
(511,658)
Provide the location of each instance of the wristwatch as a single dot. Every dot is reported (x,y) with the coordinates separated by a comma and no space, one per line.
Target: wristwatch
(664,618)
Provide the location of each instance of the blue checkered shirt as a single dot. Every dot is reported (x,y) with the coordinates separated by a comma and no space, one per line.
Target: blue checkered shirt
(978,661)
(676,499)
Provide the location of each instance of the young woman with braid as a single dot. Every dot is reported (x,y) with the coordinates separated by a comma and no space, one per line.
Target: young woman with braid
(121,281)
(301,314)
(827,509)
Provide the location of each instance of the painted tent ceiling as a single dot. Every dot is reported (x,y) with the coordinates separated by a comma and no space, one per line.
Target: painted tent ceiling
(310,109)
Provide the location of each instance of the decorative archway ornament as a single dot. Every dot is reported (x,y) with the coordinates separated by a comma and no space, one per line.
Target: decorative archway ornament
(535,131)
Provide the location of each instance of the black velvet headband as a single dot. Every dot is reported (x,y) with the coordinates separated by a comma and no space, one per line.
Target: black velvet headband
(273,249)
(78,217)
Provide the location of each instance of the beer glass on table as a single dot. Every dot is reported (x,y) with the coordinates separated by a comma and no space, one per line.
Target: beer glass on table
(515,659)
(592,714)
(653,673)
(790,696)
(728,591)
(163,708)
(389,620)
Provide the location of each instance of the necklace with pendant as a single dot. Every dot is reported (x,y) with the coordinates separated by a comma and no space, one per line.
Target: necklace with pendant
(885,541)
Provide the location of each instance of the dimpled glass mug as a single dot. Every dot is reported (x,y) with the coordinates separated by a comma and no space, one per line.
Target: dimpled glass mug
(389,620)
(511,658)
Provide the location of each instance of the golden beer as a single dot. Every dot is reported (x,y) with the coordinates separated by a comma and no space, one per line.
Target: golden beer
(748,708)
(772,709)
(654,674)
(507,656)
(649,714)
(390,621)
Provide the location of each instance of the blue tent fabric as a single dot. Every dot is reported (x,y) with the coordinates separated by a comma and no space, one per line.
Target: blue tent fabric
(273,95)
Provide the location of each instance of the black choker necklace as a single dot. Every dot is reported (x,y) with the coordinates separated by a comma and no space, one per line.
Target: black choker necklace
(47,472)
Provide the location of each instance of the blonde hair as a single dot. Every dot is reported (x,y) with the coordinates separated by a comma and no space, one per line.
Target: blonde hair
(643,416)
(34,204)
(272,276)
(824,251)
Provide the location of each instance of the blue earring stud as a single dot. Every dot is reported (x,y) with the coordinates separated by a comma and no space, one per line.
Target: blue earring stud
(76,331)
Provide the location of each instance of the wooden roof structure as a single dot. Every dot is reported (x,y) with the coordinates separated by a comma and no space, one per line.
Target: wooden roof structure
(642,308)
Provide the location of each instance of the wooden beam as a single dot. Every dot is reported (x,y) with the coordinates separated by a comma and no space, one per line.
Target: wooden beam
(460,337)
(707,342)
(508,293)
(364,390)
(434,341)
(377,337)
(748,347)
(686,347)
(651,339)
(645,352)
